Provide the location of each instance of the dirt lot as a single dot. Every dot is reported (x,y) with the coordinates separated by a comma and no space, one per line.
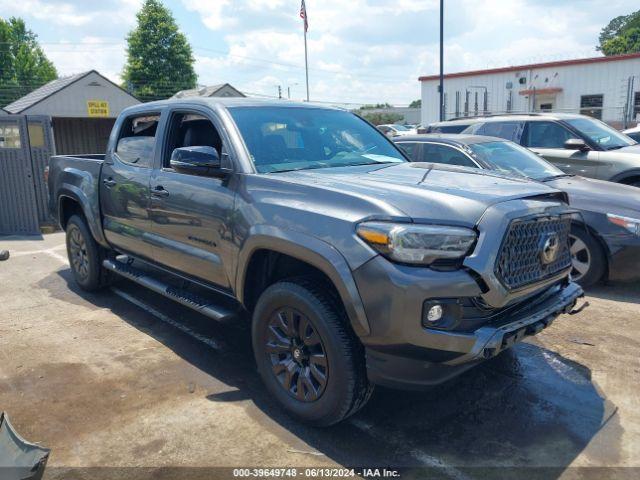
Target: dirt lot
(126,378)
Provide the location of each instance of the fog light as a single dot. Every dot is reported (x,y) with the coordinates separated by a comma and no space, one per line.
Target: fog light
(434,314)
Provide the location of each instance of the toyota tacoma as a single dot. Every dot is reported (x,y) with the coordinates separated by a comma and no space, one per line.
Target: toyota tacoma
(355,266)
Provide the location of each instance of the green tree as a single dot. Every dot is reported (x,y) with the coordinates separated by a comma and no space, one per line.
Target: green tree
(23,64)
(620,36)
(382,118)
(416,104)
(377,105)
(159,57)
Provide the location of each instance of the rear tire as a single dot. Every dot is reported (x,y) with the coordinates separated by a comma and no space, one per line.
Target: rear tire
(85,256)
(307,355)
(587,256)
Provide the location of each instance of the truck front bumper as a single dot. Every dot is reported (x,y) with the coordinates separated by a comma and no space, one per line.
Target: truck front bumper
(402,353)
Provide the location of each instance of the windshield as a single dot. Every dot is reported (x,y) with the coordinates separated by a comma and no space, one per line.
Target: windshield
(601,133)
(289,138)
(400,128)
(512,159)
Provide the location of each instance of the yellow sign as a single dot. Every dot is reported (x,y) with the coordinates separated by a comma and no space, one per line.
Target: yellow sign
(98,108)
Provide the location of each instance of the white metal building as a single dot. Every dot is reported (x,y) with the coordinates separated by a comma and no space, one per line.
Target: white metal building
(603,87)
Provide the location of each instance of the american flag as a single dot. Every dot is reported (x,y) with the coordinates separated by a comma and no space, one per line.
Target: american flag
(303,15)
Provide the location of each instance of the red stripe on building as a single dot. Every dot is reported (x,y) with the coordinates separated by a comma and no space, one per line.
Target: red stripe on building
(561,63)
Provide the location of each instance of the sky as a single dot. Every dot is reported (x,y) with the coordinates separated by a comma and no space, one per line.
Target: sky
(360,51)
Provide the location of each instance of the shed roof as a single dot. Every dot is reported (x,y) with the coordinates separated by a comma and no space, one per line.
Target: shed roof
(49,89)
(208,91)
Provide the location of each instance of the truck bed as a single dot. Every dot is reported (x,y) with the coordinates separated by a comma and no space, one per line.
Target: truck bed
(84,156)
(77,177)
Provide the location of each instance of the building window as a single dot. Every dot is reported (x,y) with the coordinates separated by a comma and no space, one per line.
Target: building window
(592,105)
(9,136)
(36,135)
(636,105)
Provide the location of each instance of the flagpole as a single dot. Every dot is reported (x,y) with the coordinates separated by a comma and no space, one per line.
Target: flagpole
(306,57)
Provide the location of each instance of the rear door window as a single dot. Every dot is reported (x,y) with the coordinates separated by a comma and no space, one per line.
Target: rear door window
(449,128)
(546,135)
(411,149)
(507,130)
(436,153)
(137,140)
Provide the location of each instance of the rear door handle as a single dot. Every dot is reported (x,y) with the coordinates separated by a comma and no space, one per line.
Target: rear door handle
(159,191)
(109,182)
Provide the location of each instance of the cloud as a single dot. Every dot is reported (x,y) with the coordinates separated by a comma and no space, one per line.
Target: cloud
(214,14)
(70,58)
(75,13)
(359,51)
(64,14)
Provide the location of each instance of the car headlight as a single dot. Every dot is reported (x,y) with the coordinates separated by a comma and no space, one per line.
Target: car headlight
(631,224)
(417,244)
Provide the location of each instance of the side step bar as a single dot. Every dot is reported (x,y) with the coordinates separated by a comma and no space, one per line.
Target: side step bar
(188,299)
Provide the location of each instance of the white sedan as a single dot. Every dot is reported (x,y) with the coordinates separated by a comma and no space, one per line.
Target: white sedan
(633,133)
(394,130)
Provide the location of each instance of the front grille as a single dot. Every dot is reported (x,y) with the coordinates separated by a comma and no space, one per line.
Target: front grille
(521,261)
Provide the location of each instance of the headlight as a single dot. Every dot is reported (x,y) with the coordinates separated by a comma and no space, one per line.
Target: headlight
(417,244)
(631,224)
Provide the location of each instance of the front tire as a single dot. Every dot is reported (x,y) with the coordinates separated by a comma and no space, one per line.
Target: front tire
(587,257)
(85,256)
(307,355)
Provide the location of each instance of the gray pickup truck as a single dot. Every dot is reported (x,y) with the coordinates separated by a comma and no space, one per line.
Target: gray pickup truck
(355,266)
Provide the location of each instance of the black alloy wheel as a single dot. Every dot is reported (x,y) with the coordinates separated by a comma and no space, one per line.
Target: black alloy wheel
(85,256)
(78,254)
(297,354)
(307,354)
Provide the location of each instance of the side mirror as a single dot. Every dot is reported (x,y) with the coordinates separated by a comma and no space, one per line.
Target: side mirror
(576,144)
(196,161)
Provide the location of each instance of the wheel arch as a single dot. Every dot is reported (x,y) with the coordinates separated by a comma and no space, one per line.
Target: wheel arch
(72,199)
(308,250)
(627,175)
(599,240)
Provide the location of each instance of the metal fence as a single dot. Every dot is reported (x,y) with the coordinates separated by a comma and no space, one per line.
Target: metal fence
(26,144)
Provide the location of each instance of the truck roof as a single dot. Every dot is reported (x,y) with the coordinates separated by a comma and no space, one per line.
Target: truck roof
(230,102)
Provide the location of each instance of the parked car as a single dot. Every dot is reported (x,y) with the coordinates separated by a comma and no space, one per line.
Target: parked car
(634,133)
(576,144)
(355,266)
(605,238)
(393,130)
(449,126)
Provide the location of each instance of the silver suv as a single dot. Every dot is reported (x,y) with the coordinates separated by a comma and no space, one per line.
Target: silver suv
(577,144)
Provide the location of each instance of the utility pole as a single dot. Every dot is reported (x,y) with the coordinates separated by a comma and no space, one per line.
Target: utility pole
(441,61)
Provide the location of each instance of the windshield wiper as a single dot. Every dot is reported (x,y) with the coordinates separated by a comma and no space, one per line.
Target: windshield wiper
(616,147)
(553,177)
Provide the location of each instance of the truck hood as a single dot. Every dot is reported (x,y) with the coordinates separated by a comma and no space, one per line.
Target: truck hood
(424,191)
(600,196)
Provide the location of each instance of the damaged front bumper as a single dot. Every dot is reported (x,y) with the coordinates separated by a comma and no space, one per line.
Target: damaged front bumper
(19,459)
(405,366)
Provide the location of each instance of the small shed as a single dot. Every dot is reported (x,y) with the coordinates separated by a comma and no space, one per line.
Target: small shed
(82,109)
(221,90)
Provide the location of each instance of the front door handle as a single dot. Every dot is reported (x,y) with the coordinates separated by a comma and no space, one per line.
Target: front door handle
(159,191)
(109,182)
